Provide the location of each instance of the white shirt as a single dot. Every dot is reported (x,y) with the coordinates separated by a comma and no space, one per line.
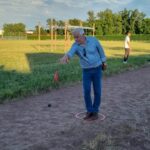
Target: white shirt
(127,40)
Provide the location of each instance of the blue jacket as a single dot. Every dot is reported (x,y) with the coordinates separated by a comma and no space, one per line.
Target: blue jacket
(91,54)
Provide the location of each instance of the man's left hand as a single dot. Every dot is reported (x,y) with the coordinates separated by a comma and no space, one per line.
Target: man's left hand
(104,66)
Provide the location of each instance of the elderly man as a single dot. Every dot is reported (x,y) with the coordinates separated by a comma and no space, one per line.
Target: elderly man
(92,62)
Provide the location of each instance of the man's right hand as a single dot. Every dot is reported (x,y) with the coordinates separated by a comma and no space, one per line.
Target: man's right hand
(64,59)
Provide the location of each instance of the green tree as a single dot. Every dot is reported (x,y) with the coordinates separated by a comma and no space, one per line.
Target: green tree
(42,30)
(139,22)
(60,24)
(117,24)
(106,18)
(51,21)
(15,29)
(98,27)
(132,20)
(91,18)
(74,22)
(146,26)
(125,14)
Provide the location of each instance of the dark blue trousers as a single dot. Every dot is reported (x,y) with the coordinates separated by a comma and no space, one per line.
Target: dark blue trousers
(93,77)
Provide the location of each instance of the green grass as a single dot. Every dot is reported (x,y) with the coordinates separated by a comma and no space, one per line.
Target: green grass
(27,67)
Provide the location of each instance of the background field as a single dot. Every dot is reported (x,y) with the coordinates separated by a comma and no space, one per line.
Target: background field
(27,67)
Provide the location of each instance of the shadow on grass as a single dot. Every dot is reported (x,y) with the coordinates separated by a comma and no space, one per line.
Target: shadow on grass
(51,47)
(40,46)
(36,60)
(11,84)
(114,48)
(43,66)
(148,41)
(134,50)
(1,67)
(16,84)
(143,51)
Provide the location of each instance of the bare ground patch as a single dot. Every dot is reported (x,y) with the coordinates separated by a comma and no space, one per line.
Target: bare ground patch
(29,124)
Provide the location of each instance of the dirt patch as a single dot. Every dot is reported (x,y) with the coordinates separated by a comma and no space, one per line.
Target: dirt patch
(29,124)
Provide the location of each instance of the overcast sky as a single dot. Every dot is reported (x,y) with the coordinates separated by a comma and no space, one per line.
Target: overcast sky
(30,12)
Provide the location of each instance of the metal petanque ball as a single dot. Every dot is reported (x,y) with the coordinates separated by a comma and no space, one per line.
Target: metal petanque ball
(49,105)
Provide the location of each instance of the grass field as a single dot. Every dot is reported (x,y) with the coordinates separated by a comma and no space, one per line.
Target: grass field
(27,67)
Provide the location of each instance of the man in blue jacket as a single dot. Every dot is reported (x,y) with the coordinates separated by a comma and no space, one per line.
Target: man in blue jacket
(92,62)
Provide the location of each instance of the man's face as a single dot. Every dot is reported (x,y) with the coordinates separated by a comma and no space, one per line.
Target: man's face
(80,39)
(129,34)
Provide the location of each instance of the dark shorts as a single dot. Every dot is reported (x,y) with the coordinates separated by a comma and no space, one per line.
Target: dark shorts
(127,49)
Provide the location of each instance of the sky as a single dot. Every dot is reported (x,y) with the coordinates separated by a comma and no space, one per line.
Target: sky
(31,12)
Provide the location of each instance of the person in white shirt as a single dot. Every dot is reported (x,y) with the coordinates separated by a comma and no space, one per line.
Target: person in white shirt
(127,47)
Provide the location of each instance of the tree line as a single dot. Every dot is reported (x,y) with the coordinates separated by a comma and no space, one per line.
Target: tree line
(106,23)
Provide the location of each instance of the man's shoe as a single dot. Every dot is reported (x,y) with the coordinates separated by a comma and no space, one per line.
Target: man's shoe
(88,116)
(94,116)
